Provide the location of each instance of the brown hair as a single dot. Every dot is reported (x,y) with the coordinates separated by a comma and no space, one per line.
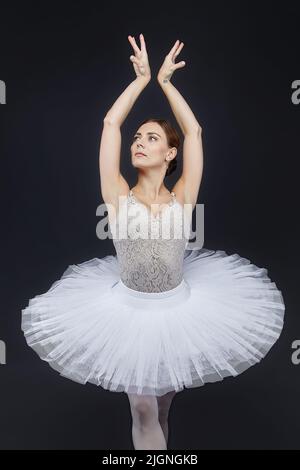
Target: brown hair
(173,140)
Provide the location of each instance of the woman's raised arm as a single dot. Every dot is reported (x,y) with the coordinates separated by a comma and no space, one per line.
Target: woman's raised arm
(189,183)
(119,111)
(111,181)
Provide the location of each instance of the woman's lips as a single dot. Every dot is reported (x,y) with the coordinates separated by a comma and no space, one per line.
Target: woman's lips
(140,154)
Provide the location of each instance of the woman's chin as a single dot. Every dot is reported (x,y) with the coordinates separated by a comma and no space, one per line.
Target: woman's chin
(139,163)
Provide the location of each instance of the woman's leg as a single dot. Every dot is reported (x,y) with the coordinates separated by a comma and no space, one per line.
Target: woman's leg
(146,430)
(164,403)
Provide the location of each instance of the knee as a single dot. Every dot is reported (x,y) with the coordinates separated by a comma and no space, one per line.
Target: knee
(164,403)
(163,410)
(143,409)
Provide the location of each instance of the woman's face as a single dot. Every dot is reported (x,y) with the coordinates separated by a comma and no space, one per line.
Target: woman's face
(151,140)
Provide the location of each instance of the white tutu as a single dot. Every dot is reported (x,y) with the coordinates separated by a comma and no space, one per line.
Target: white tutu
(223,318)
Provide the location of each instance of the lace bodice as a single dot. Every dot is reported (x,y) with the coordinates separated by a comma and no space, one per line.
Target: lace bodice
(150,248)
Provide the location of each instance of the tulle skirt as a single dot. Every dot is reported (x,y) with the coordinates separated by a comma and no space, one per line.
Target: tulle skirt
(222,318)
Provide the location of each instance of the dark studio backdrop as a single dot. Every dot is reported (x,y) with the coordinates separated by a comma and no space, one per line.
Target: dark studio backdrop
(64,66)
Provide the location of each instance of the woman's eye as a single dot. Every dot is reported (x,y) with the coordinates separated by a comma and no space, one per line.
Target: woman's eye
(151,137)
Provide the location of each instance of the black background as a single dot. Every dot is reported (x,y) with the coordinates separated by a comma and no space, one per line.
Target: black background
(64,65)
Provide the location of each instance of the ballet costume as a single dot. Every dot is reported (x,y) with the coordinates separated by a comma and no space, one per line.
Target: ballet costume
(155,317)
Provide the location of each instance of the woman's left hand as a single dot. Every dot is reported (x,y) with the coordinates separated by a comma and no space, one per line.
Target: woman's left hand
(140,59)
(168,67)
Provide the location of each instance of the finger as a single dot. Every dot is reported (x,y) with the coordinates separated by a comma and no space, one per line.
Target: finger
(179,65)
(178,50)
(134,45)
(143,45)
(130,38)
(174,48)
(135,61)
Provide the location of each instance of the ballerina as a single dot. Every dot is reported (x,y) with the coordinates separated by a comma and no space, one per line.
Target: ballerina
(156,317)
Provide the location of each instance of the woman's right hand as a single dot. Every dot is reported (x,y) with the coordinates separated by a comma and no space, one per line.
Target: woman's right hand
(140,58)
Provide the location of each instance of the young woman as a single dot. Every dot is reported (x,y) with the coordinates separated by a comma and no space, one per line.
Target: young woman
(156,317)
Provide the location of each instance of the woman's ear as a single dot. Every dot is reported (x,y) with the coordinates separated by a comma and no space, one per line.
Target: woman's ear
(172,153)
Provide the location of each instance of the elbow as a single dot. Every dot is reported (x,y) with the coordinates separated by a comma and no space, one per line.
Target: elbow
(111,122)
(195,130)
(107,120)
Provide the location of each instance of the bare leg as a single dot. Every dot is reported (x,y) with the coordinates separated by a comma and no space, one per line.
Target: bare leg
(146,430)
(164,403)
